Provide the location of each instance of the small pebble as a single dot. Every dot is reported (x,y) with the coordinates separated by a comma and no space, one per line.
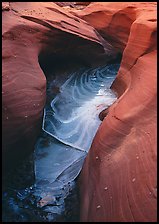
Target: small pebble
(98,206)
(97,157)
(106,188)
(133,180)
(137,157)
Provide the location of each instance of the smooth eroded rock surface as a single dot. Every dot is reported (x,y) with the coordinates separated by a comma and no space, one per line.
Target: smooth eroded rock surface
(121,185)
(118,180)
(34,33)
(72,118)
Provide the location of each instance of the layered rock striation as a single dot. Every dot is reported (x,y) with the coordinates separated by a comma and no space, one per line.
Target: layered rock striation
(119,178)
(37,38)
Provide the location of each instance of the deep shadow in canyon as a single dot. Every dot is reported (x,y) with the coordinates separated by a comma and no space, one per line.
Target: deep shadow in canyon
(18,204)
(43,45)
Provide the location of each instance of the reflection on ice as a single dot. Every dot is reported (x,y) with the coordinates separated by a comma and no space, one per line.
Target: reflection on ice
(52,161)
(73,115)
(69,125)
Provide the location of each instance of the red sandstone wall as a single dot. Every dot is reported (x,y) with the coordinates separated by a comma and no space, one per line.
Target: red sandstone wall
(118,181)
(27,30)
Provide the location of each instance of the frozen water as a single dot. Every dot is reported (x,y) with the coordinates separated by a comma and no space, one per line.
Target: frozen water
(73,115)
(56,165)
(52,160)
(69,125)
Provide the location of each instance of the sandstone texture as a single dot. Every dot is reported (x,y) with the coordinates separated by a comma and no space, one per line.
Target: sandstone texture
(34,37)
(119,179)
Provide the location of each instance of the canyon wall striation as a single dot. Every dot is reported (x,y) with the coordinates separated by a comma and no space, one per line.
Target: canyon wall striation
(119,179)
(37,38)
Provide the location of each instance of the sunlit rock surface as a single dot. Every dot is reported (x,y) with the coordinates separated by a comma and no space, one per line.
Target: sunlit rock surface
(118,181)
(57,163)
(121,185)
(31,31)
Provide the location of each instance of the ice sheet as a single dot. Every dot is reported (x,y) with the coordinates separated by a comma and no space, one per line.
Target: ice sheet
(73,115)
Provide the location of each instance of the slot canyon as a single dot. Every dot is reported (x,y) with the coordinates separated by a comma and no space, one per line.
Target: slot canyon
(79,111)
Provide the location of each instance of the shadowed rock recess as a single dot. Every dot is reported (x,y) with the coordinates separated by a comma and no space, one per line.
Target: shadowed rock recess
(62,111)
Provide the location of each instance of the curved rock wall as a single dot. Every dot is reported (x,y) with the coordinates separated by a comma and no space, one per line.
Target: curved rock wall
(118,181)
(29,31)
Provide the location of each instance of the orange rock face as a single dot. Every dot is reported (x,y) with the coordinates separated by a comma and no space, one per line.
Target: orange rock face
(119,179)
(32,33)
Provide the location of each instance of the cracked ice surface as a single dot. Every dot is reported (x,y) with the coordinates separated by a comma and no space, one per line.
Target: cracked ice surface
(54,160)
(70,123)
(73,116)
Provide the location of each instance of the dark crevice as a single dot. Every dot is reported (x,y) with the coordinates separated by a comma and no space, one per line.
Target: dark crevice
(117,118)
(64,22)
(39,21)
(55,59)
(14,195)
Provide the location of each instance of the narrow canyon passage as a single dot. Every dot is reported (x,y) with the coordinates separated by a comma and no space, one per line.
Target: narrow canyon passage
(70,122)
(76,145)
